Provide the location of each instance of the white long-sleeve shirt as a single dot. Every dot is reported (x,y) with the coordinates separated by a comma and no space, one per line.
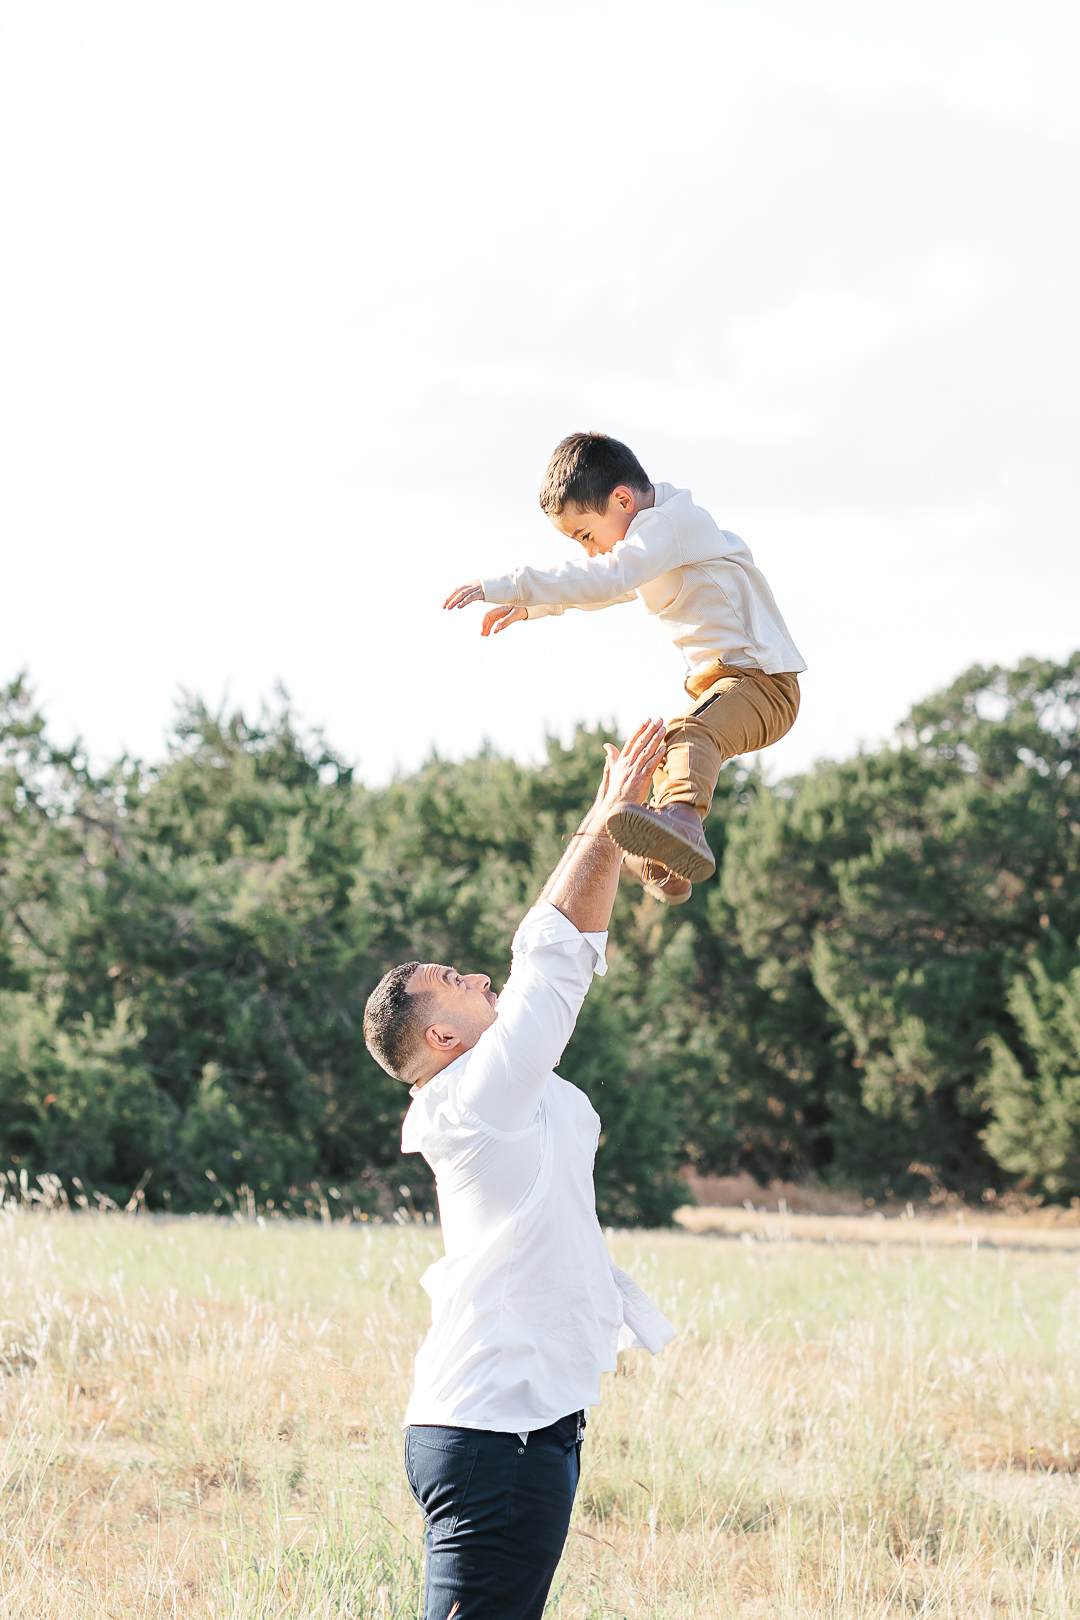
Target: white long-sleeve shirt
(527,1307)
(698,580)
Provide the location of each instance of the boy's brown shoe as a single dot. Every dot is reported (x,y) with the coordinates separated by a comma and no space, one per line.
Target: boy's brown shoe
(673,836)
(657,880)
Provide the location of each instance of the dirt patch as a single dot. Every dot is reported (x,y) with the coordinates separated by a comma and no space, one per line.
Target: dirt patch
(792,1198)
(957,1229)
(736,1192)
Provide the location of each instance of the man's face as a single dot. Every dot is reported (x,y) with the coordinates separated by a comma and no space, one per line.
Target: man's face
(599,532)
(462,1006)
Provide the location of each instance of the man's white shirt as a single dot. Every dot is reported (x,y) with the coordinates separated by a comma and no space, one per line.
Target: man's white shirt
(527,1308)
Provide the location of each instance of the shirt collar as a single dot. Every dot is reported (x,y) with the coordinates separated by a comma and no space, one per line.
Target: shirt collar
(439,1082)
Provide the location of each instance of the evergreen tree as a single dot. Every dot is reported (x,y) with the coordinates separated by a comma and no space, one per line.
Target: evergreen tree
(879,990)
(1034,1131)
(904,888)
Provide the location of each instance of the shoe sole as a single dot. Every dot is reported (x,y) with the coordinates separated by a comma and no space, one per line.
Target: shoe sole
(639,834)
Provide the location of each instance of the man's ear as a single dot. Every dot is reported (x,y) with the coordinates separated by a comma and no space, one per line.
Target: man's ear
(442,1038)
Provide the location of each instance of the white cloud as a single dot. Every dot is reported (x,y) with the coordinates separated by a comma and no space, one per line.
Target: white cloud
(695,412)
(821,330)
(996,79)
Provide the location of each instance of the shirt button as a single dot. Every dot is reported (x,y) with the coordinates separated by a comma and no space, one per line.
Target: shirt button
(521,1451)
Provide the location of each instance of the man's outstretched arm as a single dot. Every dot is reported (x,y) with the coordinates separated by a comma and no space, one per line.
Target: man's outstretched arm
(554,965)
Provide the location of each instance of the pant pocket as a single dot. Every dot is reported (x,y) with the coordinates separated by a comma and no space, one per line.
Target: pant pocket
(439,1471)
(714,697)
(410,1473)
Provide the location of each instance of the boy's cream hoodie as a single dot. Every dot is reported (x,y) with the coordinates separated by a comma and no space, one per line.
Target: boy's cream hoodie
(698,580)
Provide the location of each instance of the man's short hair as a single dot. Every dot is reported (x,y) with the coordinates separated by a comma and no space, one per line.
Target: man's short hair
(394,1021)
(584,470)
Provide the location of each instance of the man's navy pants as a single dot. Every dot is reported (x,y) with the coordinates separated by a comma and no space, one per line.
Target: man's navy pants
(496,1513)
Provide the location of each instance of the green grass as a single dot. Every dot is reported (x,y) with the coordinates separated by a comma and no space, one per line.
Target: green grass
(203,1418)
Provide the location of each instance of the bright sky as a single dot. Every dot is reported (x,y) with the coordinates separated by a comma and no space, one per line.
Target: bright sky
(298,298)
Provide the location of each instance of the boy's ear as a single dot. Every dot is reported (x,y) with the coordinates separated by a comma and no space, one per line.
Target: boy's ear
(624,497)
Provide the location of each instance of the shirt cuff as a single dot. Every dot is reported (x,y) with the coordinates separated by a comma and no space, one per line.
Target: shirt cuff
(497,588)
(545,926)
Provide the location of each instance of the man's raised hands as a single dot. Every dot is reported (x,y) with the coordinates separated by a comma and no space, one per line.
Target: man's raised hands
(628,772)
(584,883)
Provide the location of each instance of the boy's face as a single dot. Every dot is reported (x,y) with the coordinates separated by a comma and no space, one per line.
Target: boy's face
(600,532)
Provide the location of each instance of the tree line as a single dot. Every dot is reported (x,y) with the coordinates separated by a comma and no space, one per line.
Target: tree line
(880,991)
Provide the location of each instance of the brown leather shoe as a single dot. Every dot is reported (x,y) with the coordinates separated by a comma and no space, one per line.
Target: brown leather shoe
(673,836)
(657,880)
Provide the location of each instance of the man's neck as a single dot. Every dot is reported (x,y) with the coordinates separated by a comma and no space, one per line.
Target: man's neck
(439,1064)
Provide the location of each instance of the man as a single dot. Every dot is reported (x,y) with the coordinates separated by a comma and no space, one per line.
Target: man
(527,1308)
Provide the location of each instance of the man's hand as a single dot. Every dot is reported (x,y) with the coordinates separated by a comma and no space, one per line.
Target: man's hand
(498,618)
(584,884)
(472,592)
(628,773)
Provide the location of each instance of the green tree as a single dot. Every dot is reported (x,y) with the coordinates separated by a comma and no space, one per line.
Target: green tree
(905,888)
(872,992)
(1035,1099)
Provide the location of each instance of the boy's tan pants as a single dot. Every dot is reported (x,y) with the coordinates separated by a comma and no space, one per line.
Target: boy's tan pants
(735,711)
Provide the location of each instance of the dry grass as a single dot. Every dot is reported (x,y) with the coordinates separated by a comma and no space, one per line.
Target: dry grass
(202,1418)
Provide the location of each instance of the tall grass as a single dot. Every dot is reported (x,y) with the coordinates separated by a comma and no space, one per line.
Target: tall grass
(203,1418)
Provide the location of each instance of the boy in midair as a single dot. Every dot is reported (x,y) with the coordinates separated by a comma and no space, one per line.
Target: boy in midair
(651,542)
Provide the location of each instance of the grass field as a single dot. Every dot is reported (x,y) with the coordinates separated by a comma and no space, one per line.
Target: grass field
(201,1418)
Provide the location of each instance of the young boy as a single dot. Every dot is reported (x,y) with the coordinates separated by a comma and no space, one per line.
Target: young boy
(700,582)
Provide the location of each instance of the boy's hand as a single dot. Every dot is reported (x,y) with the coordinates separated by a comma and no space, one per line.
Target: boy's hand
(472,592)
(499,617)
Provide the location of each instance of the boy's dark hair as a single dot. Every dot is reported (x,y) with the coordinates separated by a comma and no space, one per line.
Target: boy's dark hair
(584,469)
(394,1021)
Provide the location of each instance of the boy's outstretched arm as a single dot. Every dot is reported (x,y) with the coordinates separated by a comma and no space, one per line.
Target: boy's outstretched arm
(501,617)
(599,581)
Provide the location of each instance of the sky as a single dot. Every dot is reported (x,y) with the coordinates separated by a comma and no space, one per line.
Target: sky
(296,300)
